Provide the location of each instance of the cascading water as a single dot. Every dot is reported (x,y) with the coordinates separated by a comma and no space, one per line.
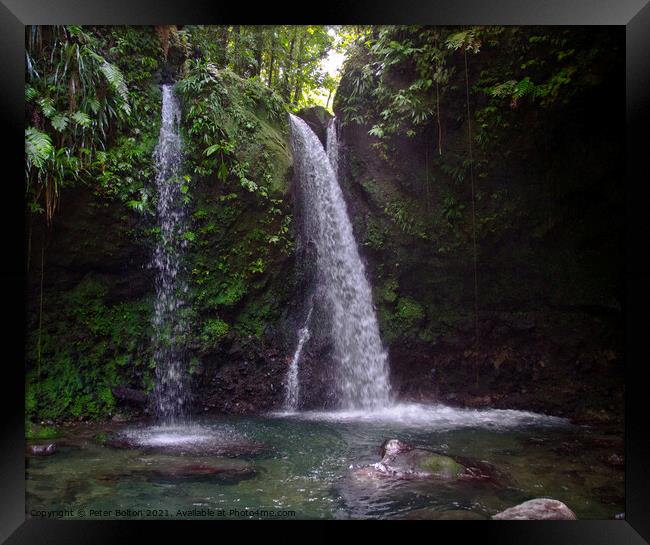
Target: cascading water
(293,385)
(362,363)
(333,146)
(170,394)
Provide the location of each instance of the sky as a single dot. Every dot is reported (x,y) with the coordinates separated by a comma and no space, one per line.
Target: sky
(331,64)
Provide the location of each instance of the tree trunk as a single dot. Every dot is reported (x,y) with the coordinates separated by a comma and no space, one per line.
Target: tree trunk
(223,42)
(298,81)
(237,49)
(286,88)
(271,63)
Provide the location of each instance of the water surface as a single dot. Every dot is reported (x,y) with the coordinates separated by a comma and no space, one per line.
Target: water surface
(304,467)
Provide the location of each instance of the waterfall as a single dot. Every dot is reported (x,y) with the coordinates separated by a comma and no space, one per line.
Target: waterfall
(170,395)
(333,146)
(361,362)
(293,385)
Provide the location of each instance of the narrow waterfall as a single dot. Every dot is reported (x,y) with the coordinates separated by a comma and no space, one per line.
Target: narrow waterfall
(361,361)
(170,394)
(333,146)
(292,396)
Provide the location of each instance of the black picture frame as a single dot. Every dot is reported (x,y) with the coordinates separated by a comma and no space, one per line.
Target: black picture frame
(634,15)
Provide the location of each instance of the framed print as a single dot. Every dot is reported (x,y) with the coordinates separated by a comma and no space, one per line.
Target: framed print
(369,262)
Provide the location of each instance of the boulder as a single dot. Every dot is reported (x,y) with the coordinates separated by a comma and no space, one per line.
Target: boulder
(402,461)
(130,396)
(537,509)
(317,118)
(45,449)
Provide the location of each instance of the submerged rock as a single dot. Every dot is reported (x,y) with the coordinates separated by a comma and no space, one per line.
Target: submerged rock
(130,396)
(154,467)
(45,449)
(537,509)
(220,469)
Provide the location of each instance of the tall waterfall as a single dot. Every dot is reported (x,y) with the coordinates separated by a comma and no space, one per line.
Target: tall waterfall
(170,393)
(362,363)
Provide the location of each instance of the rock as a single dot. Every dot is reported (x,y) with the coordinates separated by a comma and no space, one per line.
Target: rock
(224,470)
(391,447)
(317,118)
(45,449)
(130,395)
(615,460)
(537,509)
(401,461)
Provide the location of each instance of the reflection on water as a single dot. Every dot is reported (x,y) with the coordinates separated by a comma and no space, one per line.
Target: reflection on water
(302,463)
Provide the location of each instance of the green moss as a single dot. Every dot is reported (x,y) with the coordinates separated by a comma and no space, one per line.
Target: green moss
(442,467)
(409,312)
(213,331)
(388,290)
(375,235)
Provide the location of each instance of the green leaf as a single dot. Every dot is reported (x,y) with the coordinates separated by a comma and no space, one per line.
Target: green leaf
(222,173)
(60,122)
(47,106)
(38,147)
(30,93)
(212,150)
(80,118)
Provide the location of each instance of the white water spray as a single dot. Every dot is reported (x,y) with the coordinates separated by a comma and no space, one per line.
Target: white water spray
(293,385)
(170,393)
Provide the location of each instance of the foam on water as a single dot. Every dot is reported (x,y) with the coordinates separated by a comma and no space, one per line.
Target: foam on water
(440,417)
(160,436)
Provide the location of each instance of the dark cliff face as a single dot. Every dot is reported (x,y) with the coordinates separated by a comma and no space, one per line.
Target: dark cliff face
(548,267)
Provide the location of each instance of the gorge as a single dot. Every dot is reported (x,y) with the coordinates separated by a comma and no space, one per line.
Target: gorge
(243,295)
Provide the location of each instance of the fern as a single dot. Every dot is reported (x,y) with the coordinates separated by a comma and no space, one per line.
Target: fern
(60,122)
(116,80)
(80,118)
(38,147)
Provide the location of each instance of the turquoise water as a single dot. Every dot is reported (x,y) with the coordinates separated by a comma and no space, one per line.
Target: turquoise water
(300,468)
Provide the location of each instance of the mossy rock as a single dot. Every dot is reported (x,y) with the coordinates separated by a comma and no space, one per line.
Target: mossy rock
(401,461)
(442,467)
(317,118)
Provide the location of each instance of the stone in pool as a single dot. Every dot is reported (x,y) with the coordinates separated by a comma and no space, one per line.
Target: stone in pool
(223,470)
(537,509)
(402,461)
(167,467)
(46,449)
